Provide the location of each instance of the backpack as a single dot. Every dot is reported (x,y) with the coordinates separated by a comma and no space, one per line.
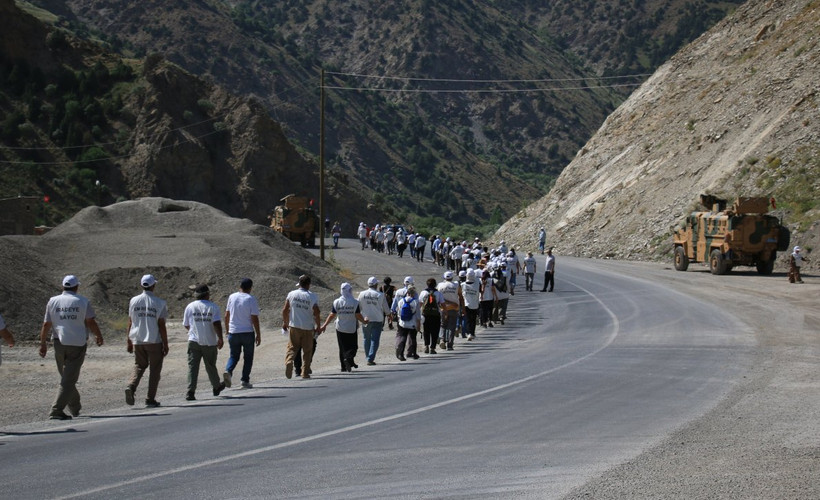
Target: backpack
(501,282)
(430,307)
(406,313)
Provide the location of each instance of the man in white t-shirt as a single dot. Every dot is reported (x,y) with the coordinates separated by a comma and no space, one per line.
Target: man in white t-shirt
(147,339)
(203,321)
(348,315)
(374,308)
(6,335)
(549,272)
(244,334)
(300,321)
(529,271)
(68,318)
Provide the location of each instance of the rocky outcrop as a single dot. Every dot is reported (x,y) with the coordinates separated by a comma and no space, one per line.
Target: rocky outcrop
(734,113)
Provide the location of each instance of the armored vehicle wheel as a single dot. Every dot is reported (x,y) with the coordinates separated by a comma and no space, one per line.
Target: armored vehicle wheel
(681,259)
(766,267)
(717,264)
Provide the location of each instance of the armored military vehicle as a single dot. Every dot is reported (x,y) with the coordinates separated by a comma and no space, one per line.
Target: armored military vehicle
(296,220)
(743,235)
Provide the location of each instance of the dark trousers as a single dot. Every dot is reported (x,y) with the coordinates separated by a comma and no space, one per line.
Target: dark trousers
(486,307)
(241,343)
(69,360)
(431,326)
(549,279)
(406,337)
(147,356)
(420,253)
(348,345)
(472,315)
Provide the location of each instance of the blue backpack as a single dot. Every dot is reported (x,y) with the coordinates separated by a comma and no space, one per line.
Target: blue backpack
(406,313)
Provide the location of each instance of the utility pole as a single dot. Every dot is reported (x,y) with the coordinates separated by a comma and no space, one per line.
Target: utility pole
(322,167)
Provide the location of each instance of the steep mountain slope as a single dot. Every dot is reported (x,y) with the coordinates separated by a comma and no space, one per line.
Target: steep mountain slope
(414,146)
(84,126)
(734,113)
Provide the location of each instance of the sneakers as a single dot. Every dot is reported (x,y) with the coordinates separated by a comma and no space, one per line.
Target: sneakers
(219,388)
(75,412)
(471,337)
(246,385)
(432,351)
(226,379)
(426,349)
(151,403)
(306,375)
(129,396)
(289,369)
(443,345)
(59,416)
(371,363)
(190,397)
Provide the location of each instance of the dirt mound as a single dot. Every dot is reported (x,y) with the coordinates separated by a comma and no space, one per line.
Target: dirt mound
(181,242)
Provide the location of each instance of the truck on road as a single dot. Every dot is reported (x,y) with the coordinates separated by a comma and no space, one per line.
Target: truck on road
(296,219)
(742,235)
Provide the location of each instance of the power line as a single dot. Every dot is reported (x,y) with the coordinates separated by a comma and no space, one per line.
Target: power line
(482,91)
(457,80)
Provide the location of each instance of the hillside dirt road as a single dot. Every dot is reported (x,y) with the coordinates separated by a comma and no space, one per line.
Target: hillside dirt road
(762,441)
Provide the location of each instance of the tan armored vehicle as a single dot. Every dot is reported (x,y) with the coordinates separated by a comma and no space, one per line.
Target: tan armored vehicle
(743,235)
(296,220)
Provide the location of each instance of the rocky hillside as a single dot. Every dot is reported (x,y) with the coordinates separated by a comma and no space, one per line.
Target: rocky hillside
(734,113)
(411,146)
(83,126)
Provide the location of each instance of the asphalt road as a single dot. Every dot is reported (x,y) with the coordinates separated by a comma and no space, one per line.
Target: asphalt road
(577,381)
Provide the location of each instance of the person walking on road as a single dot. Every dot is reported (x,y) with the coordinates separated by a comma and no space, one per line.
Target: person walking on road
(450,309)
(549,272)
(471,291)
(300,321)
(488,300)
(542,240)
(529,271)
(203,321)
(347,313)
(147,339)
(69,316)
(389,292)
(796,260)
(6,335)
(409,318)
(244,334)
(431,302)
(374,308)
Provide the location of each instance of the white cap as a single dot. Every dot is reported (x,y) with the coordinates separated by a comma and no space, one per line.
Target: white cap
(148,281)
(796,249)
(462,273)
(372,281)
(448,275)
(408,280)
(70,281)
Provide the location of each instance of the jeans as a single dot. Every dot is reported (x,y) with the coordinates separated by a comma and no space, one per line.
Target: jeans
(449,320)
(371,333)
(239,342)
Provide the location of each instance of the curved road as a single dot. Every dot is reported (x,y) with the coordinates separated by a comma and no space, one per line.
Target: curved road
(576,382)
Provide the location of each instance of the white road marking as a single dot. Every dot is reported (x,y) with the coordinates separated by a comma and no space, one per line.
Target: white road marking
(228,458)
